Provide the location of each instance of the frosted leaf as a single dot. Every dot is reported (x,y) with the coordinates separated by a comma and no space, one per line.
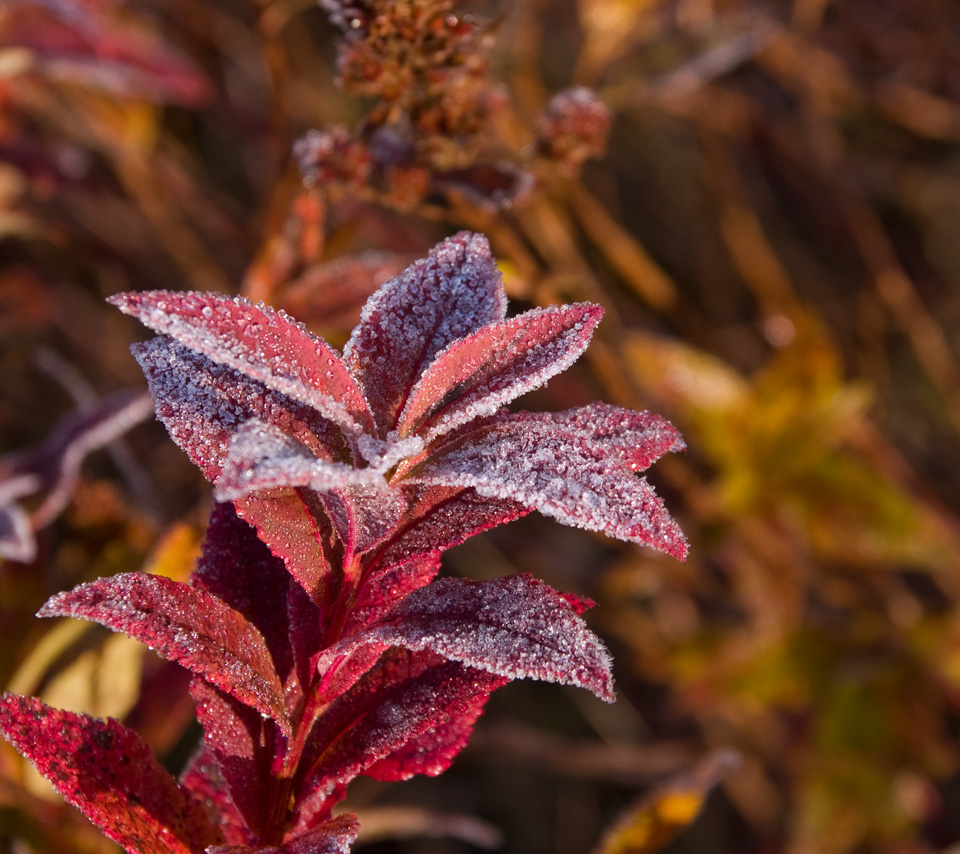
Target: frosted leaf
(431,753)
(364,514)
(557,466)
(515,627)
(240,740)
(202,404)
(259,342)
(334,836)
(448,295)
(110,775)
(387,584)
(477,375)
(262,457)
(383,455)
(203,780)
(400,701)
(439,518)
(636,439)
(183,624)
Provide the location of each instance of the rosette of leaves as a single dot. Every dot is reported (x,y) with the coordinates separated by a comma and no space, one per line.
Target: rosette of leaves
(322,646)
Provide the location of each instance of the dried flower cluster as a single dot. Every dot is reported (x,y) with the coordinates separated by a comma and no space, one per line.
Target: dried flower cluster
(432,128)
(320,644)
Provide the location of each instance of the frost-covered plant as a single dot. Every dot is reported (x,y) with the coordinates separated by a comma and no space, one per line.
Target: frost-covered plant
(321,645)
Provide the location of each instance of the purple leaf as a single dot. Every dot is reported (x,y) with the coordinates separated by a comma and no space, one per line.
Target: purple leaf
(514,627)
(477,375)
(448,295)
(260,343)
(184,624)
(202,404)
(110,775)
(399,701)
(334,836)
(244,745)
(578,466)
(638,438)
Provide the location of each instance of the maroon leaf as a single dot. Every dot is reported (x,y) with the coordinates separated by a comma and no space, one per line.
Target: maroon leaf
(439,518)
(477,375)
(203,780)
(578,467)
(260,343)
(433,752)
(237,567)
(334,836)
(245,746)
(203,403)
(450,294)
(387,585)
(406,696)
(184,624)
(514,627)
(108,773)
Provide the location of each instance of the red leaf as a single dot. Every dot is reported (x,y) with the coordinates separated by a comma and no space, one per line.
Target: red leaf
(108,773)
(387,585)
(203,780)
(514,627)
(477,375)
(245,746)
(202,404)
(239,569)
(440,518)
(294,524)
(334,836)
(405,697)
(450,294)
(262,344)
(433,752)
(186,625)
(576,466)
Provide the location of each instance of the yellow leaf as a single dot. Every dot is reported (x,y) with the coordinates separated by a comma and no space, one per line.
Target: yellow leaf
(660,816)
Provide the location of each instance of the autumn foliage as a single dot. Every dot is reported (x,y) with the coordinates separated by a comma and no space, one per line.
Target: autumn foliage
(313,590)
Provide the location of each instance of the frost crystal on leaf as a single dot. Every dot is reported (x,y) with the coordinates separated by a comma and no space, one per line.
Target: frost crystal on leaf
(320,643)
(413,406)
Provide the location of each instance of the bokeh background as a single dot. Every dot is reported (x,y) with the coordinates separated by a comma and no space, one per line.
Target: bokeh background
(774,230)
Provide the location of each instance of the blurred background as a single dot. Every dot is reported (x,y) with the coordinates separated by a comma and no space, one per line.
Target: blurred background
(764,195)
